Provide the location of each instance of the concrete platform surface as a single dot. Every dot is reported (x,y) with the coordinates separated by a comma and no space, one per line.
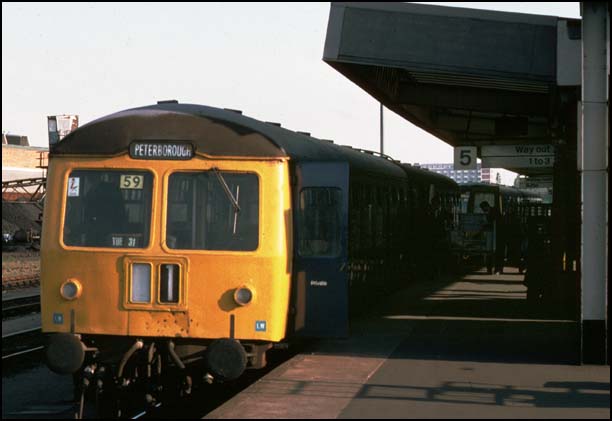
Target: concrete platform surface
(465,349)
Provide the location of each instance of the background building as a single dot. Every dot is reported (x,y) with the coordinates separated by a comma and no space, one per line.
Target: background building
(19,160)
(461,176)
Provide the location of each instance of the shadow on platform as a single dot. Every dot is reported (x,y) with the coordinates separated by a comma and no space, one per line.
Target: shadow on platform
(477,317)
(559,395)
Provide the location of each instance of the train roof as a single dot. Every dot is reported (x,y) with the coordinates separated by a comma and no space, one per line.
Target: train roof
(214,132)
(507,190)
(435,178)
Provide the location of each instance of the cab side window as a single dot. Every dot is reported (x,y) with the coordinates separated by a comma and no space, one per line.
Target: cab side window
(319,222)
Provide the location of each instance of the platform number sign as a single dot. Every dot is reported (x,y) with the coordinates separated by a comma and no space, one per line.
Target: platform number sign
(465,158)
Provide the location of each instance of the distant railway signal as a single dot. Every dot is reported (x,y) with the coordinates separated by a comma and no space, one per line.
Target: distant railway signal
(60,126)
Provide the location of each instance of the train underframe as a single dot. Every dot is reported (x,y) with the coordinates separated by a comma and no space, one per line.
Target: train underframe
(121,374)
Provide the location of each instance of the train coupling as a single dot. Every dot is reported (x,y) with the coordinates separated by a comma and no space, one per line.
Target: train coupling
(88,374)
(187,385)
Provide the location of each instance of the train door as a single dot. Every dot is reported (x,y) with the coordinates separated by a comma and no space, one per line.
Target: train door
(320,281)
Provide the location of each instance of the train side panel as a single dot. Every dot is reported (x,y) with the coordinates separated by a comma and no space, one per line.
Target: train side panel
(320,292)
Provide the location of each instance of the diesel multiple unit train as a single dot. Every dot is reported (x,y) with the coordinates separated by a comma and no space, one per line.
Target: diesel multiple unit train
(191,239)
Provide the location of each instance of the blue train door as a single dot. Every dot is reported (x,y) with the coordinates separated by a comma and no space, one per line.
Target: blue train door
(320,284)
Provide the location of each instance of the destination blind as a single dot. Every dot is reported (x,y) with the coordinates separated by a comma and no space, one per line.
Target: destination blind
(161,150)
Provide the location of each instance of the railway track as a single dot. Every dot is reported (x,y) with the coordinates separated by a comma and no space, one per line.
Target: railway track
(25,338)
(20,305)
(20,343)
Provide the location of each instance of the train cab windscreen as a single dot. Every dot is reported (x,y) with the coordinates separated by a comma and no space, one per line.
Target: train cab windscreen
(108,208)
(213,210)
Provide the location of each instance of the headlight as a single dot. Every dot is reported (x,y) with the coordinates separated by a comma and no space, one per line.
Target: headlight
(243,296)
(141,283)
(71,289)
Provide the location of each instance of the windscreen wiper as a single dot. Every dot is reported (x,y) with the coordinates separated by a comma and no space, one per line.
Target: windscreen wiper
(230,196)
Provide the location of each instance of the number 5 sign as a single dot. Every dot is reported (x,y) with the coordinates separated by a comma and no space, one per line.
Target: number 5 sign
(465,158)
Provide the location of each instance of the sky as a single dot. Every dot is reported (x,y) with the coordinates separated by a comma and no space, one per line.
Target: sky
(94,59)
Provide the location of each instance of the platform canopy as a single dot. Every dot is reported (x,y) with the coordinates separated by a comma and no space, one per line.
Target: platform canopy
(469,77)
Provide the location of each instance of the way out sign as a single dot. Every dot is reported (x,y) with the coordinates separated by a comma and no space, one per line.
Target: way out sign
(517,150)
(518,161)
(518,156)
(465,158)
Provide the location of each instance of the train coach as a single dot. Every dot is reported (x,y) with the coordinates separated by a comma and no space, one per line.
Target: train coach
(180,236)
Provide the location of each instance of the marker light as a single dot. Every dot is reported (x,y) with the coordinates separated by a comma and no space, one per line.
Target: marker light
(71,289)
(141,283)
(169,282)
(243,296)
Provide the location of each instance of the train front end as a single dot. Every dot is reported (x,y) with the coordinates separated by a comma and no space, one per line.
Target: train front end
(165,245)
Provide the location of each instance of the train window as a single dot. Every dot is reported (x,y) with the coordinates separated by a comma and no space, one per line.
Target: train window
(379,215)
(213,210)
(354,224)
(108,208)
(319,222)
(480,197)
(464,201)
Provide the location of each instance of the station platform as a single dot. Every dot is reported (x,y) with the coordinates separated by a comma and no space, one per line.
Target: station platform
(466,348)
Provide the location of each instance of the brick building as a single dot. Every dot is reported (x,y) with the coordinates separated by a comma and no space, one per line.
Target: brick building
(23,161)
